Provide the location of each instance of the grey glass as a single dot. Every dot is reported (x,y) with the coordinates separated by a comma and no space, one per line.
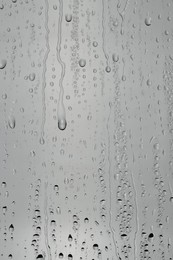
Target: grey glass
(86,129)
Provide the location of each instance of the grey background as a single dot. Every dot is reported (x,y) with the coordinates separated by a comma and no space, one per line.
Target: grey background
(104,70)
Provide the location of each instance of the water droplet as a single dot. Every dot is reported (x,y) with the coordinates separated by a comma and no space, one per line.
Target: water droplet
(4,184)
(115,57)
(68,17)
(70,257)
(70,238)
(3,63)
(4,209)
(62,124)
(149,82)
(58,210)
(148,21)
(4,96)
(11,228)
(11,122)
(40,256)
(108,69)
(95,44)
(82,62)
(171,199)
(95,246)
(150,237)
(56,187)
(123,78)
(61,255)
(32,76)
(42,141)
(86,220)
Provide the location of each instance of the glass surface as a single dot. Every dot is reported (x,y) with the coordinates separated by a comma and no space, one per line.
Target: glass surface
(86,129)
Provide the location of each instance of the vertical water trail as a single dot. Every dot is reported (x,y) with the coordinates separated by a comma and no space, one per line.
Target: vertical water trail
(110,197)
(122,14)
(137,220)
(46,225)
(103,34)
(44,72)
(62,123)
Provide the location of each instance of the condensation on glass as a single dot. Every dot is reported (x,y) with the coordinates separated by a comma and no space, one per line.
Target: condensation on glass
(86,129)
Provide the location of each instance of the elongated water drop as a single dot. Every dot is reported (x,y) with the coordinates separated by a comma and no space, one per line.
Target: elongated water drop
(3,63)
(11,122)
(62,124)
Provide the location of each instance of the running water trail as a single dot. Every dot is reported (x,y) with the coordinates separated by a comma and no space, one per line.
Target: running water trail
(122,14)
(110,196)
(136,218)
(44,73)
(62,123)
(46,225)
(103,34)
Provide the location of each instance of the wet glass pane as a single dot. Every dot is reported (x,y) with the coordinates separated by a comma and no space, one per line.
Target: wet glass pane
(86,129)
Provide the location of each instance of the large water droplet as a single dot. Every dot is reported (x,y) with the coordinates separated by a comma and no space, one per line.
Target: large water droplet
(115,57)
(40,256)
(62,124)
(82,63)
(3,63)
(148,21)
(68,17)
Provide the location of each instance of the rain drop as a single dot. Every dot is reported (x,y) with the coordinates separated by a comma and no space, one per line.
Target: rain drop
(108,69)
(11,122)
(68,17)
(32,76)
(82,63)
(115,57)
(62,124)
(148,21)
(3,63)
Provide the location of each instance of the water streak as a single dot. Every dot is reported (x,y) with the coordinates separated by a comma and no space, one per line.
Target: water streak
(110,196)
(122,14)
(44,71)
(62,123)
(46,225)
(103,34)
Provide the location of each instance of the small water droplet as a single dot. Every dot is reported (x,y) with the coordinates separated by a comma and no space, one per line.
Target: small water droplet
(61,255)
(4,96)
(11,122)
(58,210)
(42,141)
(32,76)
(11,228)
(108,69)
(95,44)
